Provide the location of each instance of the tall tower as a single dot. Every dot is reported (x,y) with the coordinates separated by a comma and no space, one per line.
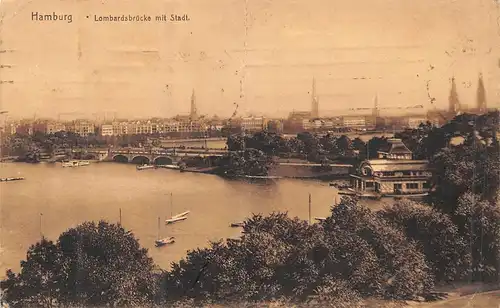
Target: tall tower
(314,101)
(194,110)
(376,110)
(481,95)
(454,103)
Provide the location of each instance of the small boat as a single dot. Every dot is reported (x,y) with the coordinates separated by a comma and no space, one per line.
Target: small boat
(144,167)
(181,214)
(165,241)
(75,163)
(176,219)
(237,224)
(176,167)
(320,218)
(11,179)
(409,196)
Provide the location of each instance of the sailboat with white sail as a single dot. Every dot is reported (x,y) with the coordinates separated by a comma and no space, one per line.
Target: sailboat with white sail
(178,217)
(163,241)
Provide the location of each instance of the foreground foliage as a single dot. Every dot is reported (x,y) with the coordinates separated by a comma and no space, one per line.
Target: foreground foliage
(90,265)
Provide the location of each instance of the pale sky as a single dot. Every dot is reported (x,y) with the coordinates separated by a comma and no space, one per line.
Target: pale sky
(265,51)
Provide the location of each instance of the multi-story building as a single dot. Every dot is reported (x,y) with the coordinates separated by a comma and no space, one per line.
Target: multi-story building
(185,124)
(83,128)
(140,128)
(275,126)
(253,124)
(24,129)
(54,127)
(107,130)
(11,128)
(120,128)
(393,173)
(356,122)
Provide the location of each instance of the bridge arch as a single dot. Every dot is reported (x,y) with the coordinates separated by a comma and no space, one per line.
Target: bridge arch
(140,159)
(163,160)
(119,158)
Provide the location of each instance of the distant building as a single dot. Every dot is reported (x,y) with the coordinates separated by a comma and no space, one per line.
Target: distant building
(11,128)
(392,173)
(356,122)
(54,127)
(253,124)
(414,122)
(120,128)
(24,129)
(107,130)
(299,115)
(83,128)
(275,126)
(140,128)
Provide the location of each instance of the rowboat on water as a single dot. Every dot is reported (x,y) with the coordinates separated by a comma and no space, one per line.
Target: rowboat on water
(165,241)
(237,224)
(11,179)
(181,214)
(144,167)
(175,167)
(320,218)
(176,219)
(75,163)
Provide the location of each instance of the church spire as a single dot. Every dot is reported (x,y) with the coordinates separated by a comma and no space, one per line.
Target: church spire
(481,95)
(314,101)
(454,102)
(194,110)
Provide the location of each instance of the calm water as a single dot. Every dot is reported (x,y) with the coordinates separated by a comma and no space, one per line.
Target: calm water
(69,196)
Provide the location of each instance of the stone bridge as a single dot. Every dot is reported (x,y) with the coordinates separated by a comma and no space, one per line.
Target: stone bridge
(157,157)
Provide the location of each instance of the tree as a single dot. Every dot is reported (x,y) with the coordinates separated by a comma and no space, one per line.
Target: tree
(380,260)
(249,162)
(91,265)
(38,283)
(479,223)
(374,145)
(235,143)
(445,249)
(463,168)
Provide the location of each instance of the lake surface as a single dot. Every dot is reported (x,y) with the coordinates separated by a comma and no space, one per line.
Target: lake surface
(69,196)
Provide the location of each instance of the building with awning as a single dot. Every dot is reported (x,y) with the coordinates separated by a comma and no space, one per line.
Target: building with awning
(393,173)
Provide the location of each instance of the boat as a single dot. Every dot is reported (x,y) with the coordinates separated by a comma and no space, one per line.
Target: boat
(320,218)
(144,167)
(237,224)
(176,167)
(75,163)
(181,214)
(172,220)
(178,217)
(402,196)
(11,179)
(159,242)
(165,241)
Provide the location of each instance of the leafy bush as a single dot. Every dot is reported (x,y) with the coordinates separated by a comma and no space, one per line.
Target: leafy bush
(445,249)
(91,265)
(479,222)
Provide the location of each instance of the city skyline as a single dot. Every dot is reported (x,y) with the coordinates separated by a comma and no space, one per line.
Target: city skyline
(263,61)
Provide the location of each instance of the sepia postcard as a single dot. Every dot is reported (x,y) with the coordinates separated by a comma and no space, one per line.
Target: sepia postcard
(237,153)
